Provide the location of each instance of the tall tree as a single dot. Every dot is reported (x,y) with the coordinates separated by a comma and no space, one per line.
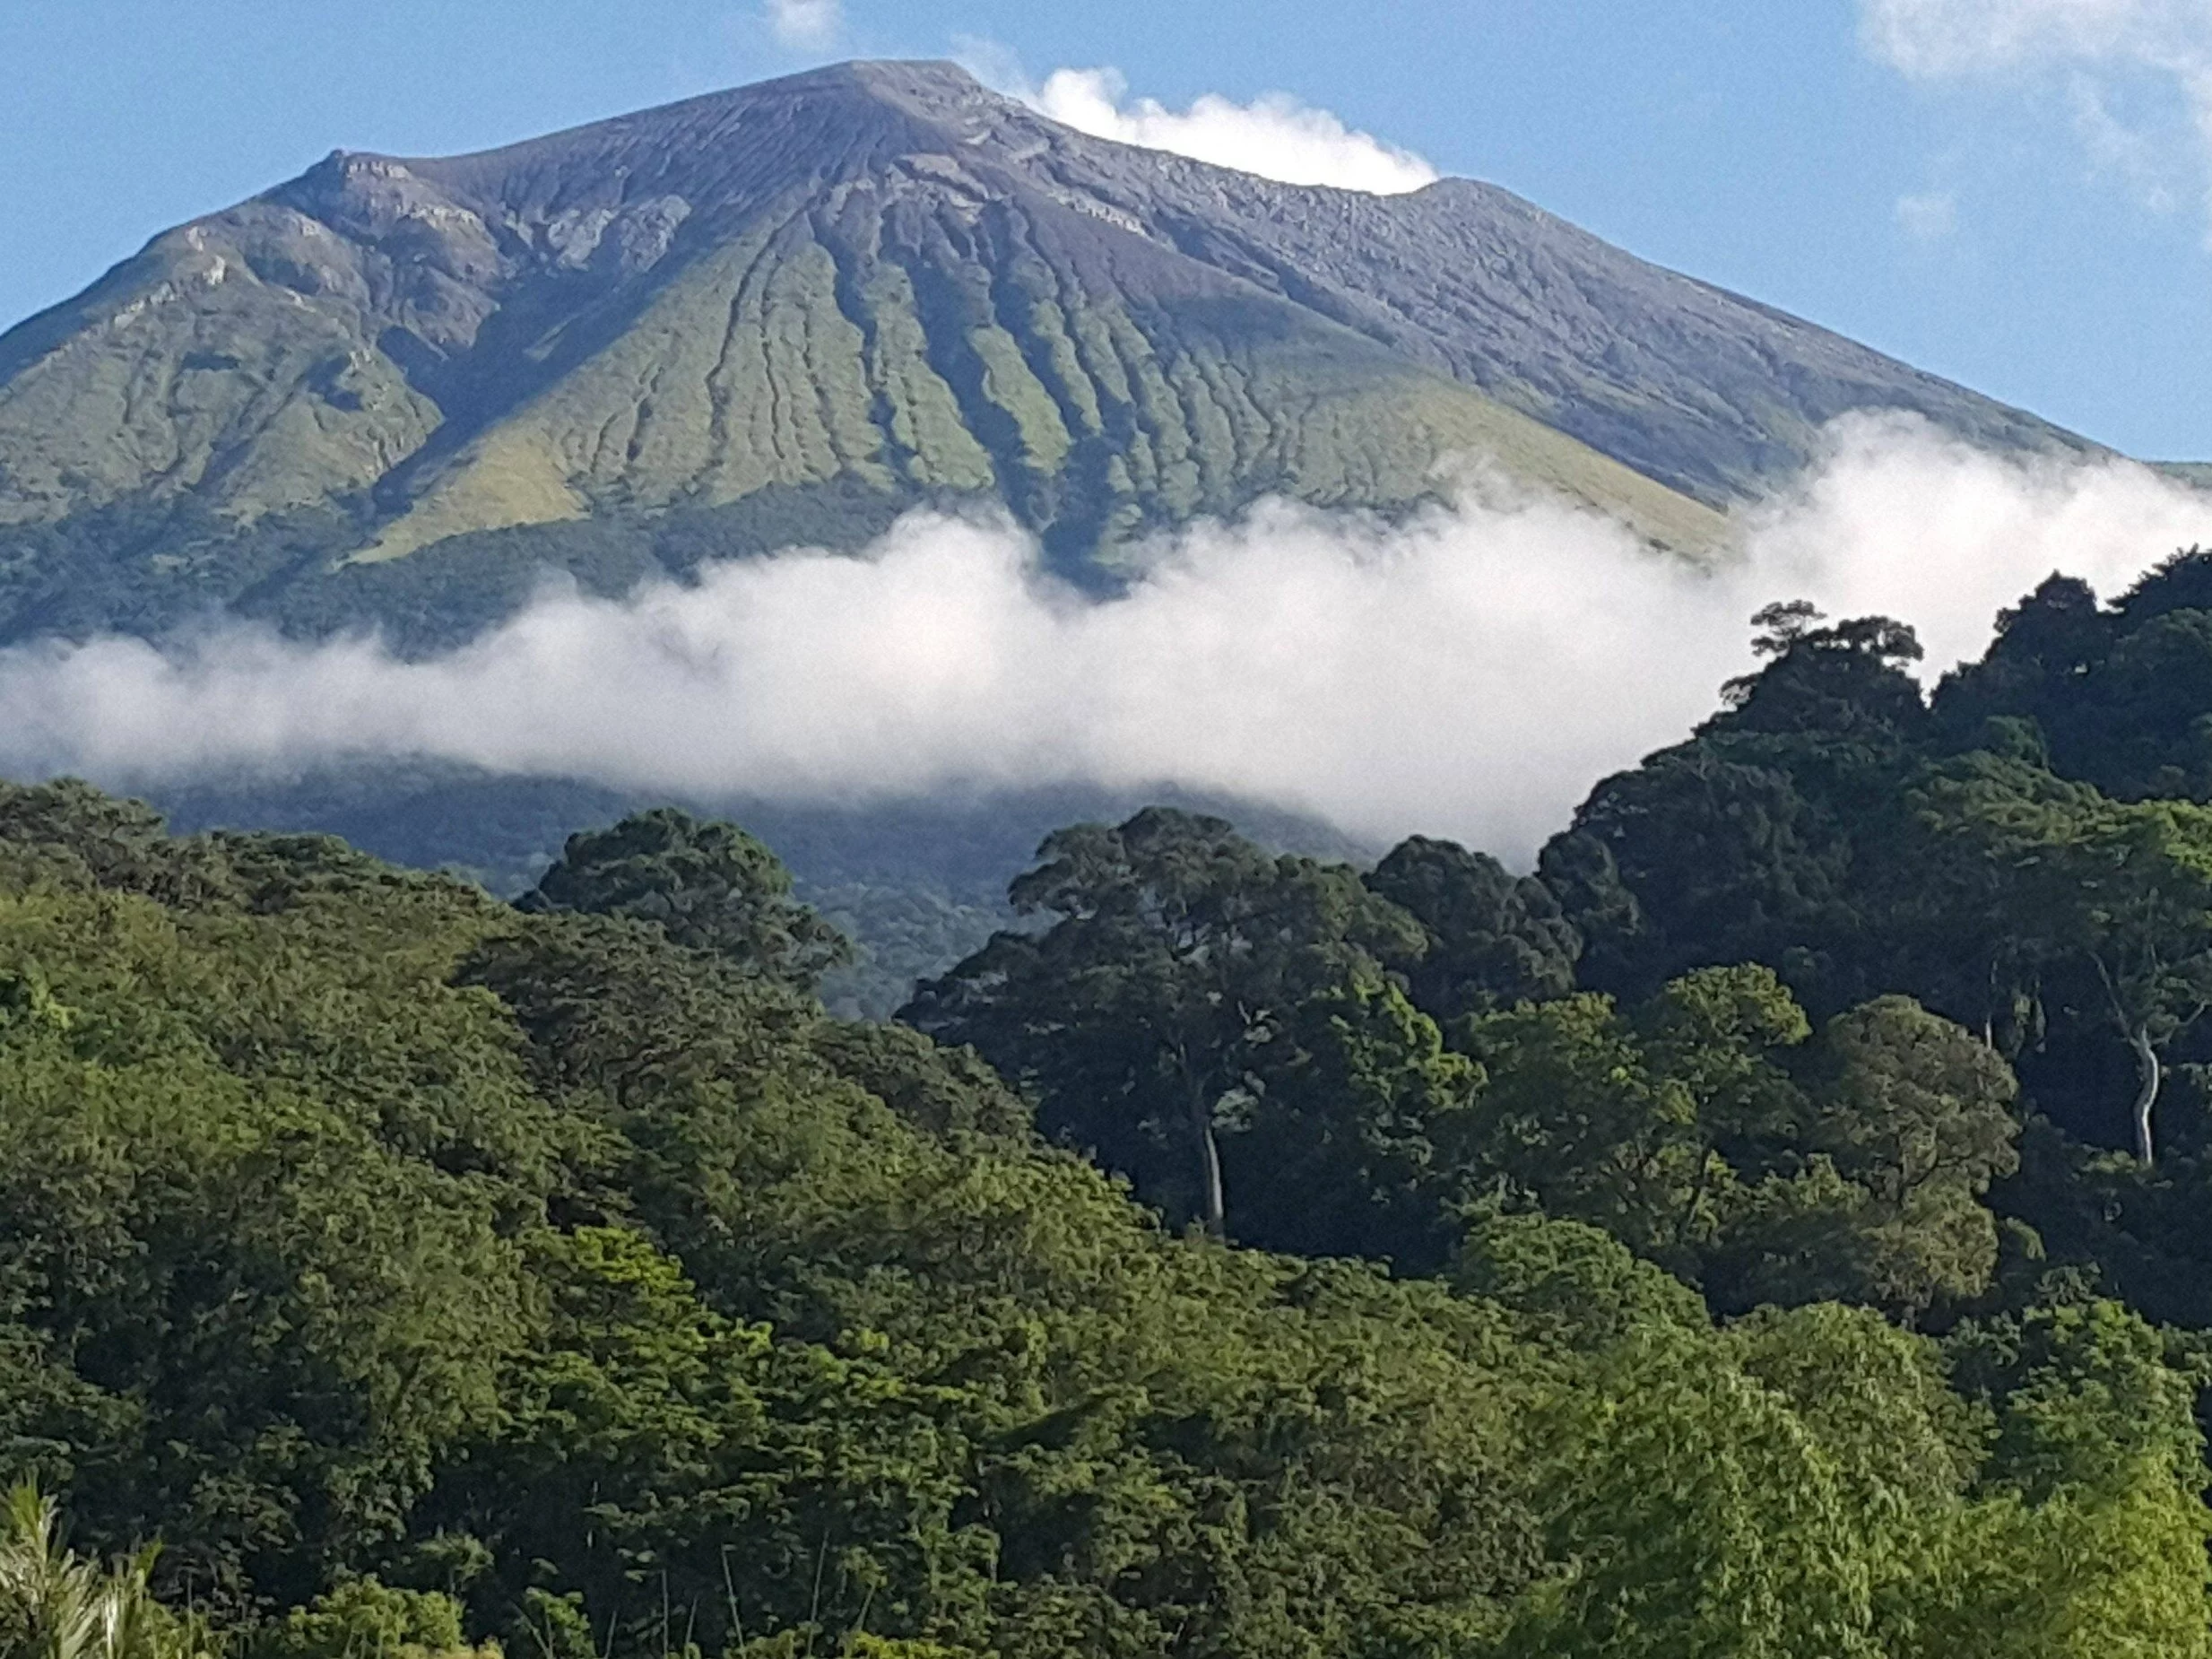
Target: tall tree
(1495,939)
(1708,1131)
(707,884)
(2118,893)
(1698,858)
(1146,1015)
(1846,681)
(1354,1143)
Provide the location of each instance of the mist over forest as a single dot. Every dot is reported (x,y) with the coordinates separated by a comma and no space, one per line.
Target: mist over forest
(888,868)
(1470,670)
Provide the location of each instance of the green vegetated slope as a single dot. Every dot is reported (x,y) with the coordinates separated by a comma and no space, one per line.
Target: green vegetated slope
(810,353)
(846,293)
(1774,1226)
(918,884)
(426,1271)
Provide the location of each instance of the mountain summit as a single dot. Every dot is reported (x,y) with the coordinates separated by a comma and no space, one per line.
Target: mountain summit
(789,310)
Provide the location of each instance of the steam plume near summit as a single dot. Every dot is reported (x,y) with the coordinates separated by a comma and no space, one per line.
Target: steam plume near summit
(1275,135)
(1469,673)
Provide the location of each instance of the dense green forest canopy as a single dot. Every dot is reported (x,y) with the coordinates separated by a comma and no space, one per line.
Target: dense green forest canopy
(1774,1228)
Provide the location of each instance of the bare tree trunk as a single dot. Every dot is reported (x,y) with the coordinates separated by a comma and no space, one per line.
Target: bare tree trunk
(1209,1165)
(2147,1095)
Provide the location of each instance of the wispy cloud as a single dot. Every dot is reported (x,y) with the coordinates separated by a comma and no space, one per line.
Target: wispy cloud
(1471,673)
(2152,59)
(1929,216)
(1275,135)
(806,25)
(1959,37)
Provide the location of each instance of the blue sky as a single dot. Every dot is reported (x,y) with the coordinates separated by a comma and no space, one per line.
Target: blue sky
(2009,192)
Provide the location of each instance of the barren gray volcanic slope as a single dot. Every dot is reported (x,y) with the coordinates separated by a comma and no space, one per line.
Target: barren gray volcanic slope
(789,310)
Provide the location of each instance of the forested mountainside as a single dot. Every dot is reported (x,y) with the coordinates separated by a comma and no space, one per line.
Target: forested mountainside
(1774,1226)
(427,1273)
(1752,839)
(393,389)
(915,884)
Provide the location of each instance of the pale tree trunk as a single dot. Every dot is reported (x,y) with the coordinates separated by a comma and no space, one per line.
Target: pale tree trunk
(1209,1165)
(2146,1094)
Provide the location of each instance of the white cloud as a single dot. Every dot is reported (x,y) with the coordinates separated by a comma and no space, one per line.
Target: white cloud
(1468,673)
(1929,217)
(1934,38)
(2155,167)
(806,25)
(1275,135)
(1903,522)
(2106,55)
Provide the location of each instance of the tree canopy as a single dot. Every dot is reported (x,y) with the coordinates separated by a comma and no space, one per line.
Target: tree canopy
(1772,1226)
(707,885)
(425,1272)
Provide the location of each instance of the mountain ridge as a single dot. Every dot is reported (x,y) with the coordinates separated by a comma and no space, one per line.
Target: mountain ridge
(876,279)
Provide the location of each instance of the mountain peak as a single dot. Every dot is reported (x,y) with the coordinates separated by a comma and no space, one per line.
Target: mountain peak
(820,122)
(933,89)
(819,298)
(927,78)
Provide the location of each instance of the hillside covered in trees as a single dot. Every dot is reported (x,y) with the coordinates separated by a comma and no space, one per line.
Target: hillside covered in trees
(1773,1229)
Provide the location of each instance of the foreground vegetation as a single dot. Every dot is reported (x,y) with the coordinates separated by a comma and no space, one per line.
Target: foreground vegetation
(1773,1229)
